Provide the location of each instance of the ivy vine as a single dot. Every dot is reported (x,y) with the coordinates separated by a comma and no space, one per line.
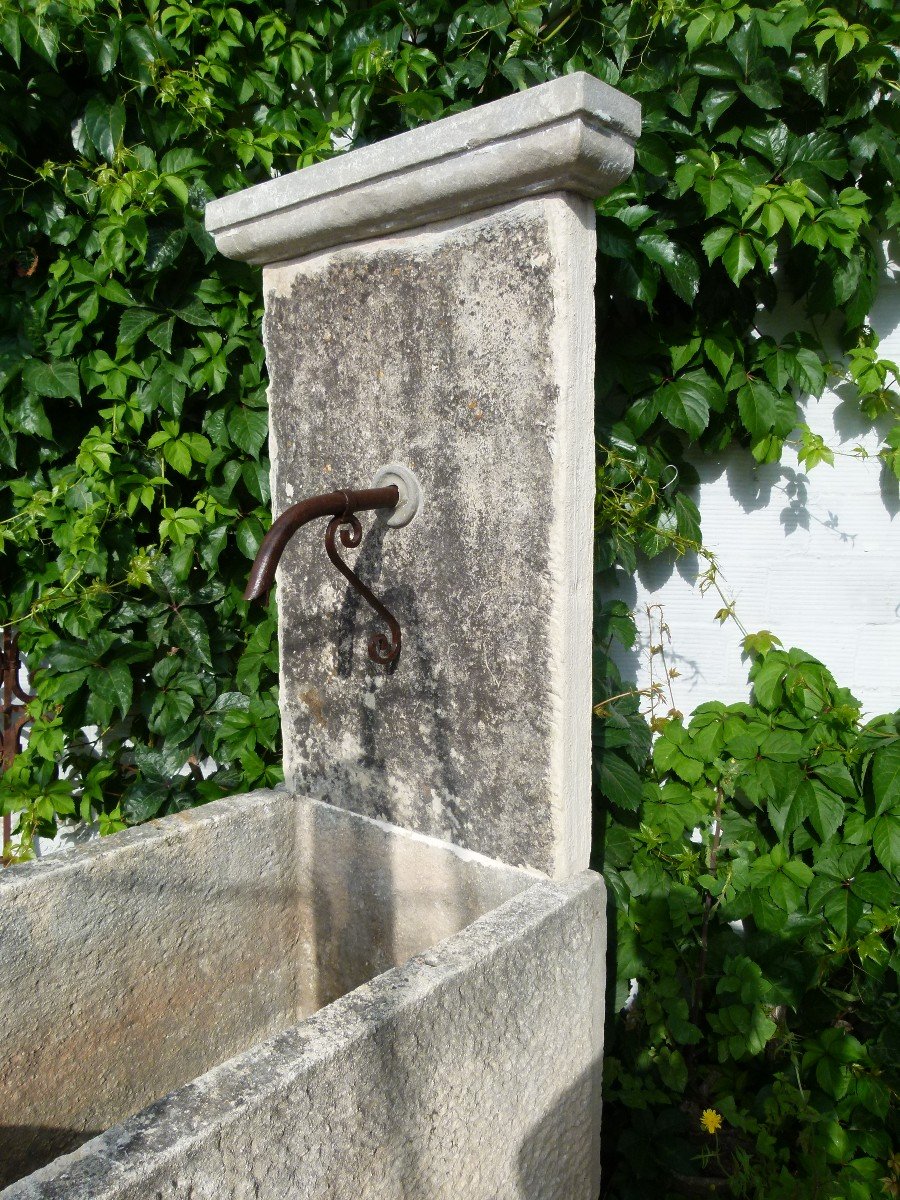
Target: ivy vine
(133,421)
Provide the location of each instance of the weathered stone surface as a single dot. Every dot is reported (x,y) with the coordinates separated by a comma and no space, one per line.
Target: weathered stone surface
(470,1073)
(133,965)
(466,352)
(573,134)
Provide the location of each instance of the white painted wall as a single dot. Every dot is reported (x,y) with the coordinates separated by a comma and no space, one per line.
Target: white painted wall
(814,556)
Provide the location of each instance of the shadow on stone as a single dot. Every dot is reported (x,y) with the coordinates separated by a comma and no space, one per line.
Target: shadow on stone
(353,907)
(375,903)
(355,618)
(560,1156)
(245,918)
(356,623)
(27,1148)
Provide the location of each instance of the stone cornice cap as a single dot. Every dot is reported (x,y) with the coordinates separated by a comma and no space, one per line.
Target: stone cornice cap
(573,134)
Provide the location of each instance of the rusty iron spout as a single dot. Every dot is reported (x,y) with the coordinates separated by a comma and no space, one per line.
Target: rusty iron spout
(334,504)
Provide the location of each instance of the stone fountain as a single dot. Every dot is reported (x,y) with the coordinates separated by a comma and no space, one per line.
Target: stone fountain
(385,979)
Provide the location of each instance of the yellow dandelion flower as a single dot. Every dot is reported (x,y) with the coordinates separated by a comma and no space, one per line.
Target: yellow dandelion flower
(711,1120)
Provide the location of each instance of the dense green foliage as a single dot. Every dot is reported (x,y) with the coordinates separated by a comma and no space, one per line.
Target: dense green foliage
(133,415)
(135,489)
(767,165)
(757,891)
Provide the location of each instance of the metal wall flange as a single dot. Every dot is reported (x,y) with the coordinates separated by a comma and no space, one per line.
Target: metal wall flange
(411,499)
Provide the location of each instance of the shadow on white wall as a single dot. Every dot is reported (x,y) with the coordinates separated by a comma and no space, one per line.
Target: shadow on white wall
(812,555)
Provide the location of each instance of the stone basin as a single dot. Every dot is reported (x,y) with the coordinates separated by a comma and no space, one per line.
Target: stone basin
(271,997)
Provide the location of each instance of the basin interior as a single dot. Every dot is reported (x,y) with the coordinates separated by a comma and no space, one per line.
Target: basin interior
(133,965)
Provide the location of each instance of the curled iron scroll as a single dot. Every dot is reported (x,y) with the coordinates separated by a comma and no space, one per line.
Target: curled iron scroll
(382,649)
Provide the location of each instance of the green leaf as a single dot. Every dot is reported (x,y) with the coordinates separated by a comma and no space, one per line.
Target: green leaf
(176,186)
(56,379)
(813,77)
(886,842)
(161,334)
(655,154)
(783,745)
(685,402)
(619,781)
(194,312)
(716,103)
(105,124)
(675,752)
(188,631)
(837,778)
(798,872)
(842,910)
(681,355)
(143,800)
(678,264)
(876,888)
(886,777)
(249,535)
(112,684)
(763,88)
(790,816)
(833,1077)
(201,239)
(745,45)
(719,349)
(874,1094)
(739,256)
(108,50)
(164,245)
(28,416)
(248,429)
(687,516)
(808,371)
(768,679)
(182,158)
(132,323)
(825,810)
(165,391)
(42,35)
(69,656)
(757,404)
(178,456)
(715,192)
(716,241)
(780,28)
(683,275)
(9,37)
